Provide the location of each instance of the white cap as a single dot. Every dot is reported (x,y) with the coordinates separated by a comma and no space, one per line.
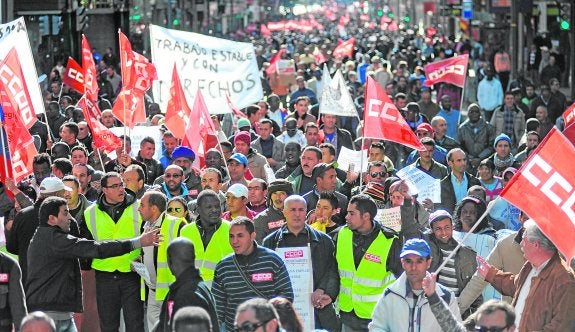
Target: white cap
(238,190)
(52,184)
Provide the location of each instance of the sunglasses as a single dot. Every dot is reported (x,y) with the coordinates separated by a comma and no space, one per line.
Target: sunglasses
(175,209)
(375,174)
(249,326)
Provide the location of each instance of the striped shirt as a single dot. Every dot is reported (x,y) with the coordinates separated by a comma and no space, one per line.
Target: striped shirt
(447,277)
(264,269)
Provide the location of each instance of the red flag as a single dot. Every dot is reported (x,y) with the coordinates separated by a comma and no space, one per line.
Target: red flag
(452,70)
(137,76)
(90,74)
(103,138)
(265,31)
(275,26)
(569,115)
(382,119)
(20,145)
(318,56)
(274,61)
(12,77)
(544,187)
(74,76)
(344,49)
(201,132)
(177,110)
(239,114)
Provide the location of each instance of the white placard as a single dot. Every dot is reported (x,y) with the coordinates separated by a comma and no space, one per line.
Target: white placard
(390,218)
(14,34)
(347,157)
(298,264)
(214,65)
(336,99)
(142,271)
(137,135)
(421,183)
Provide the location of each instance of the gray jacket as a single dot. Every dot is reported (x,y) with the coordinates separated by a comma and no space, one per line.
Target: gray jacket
(277,152)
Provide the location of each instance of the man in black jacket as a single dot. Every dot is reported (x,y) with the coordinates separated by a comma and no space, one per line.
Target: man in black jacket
(188,290)
(54,284)
(296,233)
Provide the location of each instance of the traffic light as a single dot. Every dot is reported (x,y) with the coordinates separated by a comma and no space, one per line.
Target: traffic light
(136,16)
(390,15)
(379,12)
(44,25)
(564,13)
(565,25)
(177,17)
(81,19)
(407,19)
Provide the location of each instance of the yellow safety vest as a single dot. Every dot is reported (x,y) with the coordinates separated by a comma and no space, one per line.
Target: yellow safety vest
(164,277)
(218,248)
(102,227)
(361,289)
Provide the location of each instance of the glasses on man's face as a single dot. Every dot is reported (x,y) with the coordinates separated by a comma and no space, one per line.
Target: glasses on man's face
(175,176)
(174,209)
(375,174)
(115,186)
(479,328)
(249,326)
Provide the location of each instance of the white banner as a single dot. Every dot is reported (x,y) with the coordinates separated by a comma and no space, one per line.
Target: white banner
(216,66)
(137,135)
(298,264)
(421,183)
(335,98)
(14,34)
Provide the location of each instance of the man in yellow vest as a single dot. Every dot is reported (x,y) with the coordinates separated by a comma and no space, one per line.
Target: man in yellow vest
(367,256)
(209,234)
(153,211)
(115,216)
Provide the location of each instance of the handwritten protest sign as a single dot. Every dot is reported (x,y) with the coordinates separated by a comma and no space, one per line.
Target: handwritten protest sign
(298,264)
(420,183)
(390,218)
(218,67)
(349,157)
(137,135)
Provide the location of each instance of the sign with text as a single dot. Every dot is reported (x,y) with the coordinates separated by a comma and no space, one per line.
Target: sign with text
(349,158)
(298,264)
(14,34)
(218,67)
(425,185)
(390,218)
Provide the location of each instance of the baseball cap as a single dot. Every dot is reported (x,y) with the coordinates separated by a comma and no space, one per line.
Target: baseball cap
(240,158)
(438,216)
(415,247)
(52,184)
(238,190)
(425,127)
(321,168)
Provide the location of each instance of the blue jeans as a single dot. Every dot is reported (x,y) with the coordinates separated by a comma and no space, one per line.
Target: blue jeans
(66,325)
(116,291)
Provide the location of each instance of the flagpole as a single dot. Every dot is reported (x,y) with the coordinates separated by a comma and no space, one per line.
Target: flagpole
(4,146)
(101,161)
(361,161)
(460,243)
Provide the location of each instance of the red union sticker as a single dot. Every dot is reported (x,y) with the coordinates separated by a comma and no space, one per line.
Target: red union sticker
(259,277)
(170,308)
(293,254)
(4,277)
(373,258)
(276,224)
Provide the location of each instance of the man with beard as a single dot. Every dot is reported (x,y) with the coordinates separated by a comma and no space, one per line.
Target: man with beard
(214,159)
(83,173)
(292,151)
(146,156)
(173,186)
(237,165)
(455,185)
(184,157)
(209,233)
(301,177)
(476,137)
(272,218)
(325,178)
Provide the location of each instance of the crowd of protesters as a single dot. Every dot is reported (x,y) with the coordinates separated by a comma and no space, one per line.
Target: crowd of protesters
(206,235)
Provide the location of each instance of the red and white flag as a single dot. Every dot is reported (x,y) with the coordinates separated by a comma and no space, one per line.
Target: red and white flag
(382,120)
(137,77)
(544,187)
(16,89)
(177,110)
(19,150)
(201,133)
(569,119)
(318,56)
(90,74)
(265,31)
(274,62)
(344,49)
(74,76)
(239,114)
(103,137)
(452,70)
